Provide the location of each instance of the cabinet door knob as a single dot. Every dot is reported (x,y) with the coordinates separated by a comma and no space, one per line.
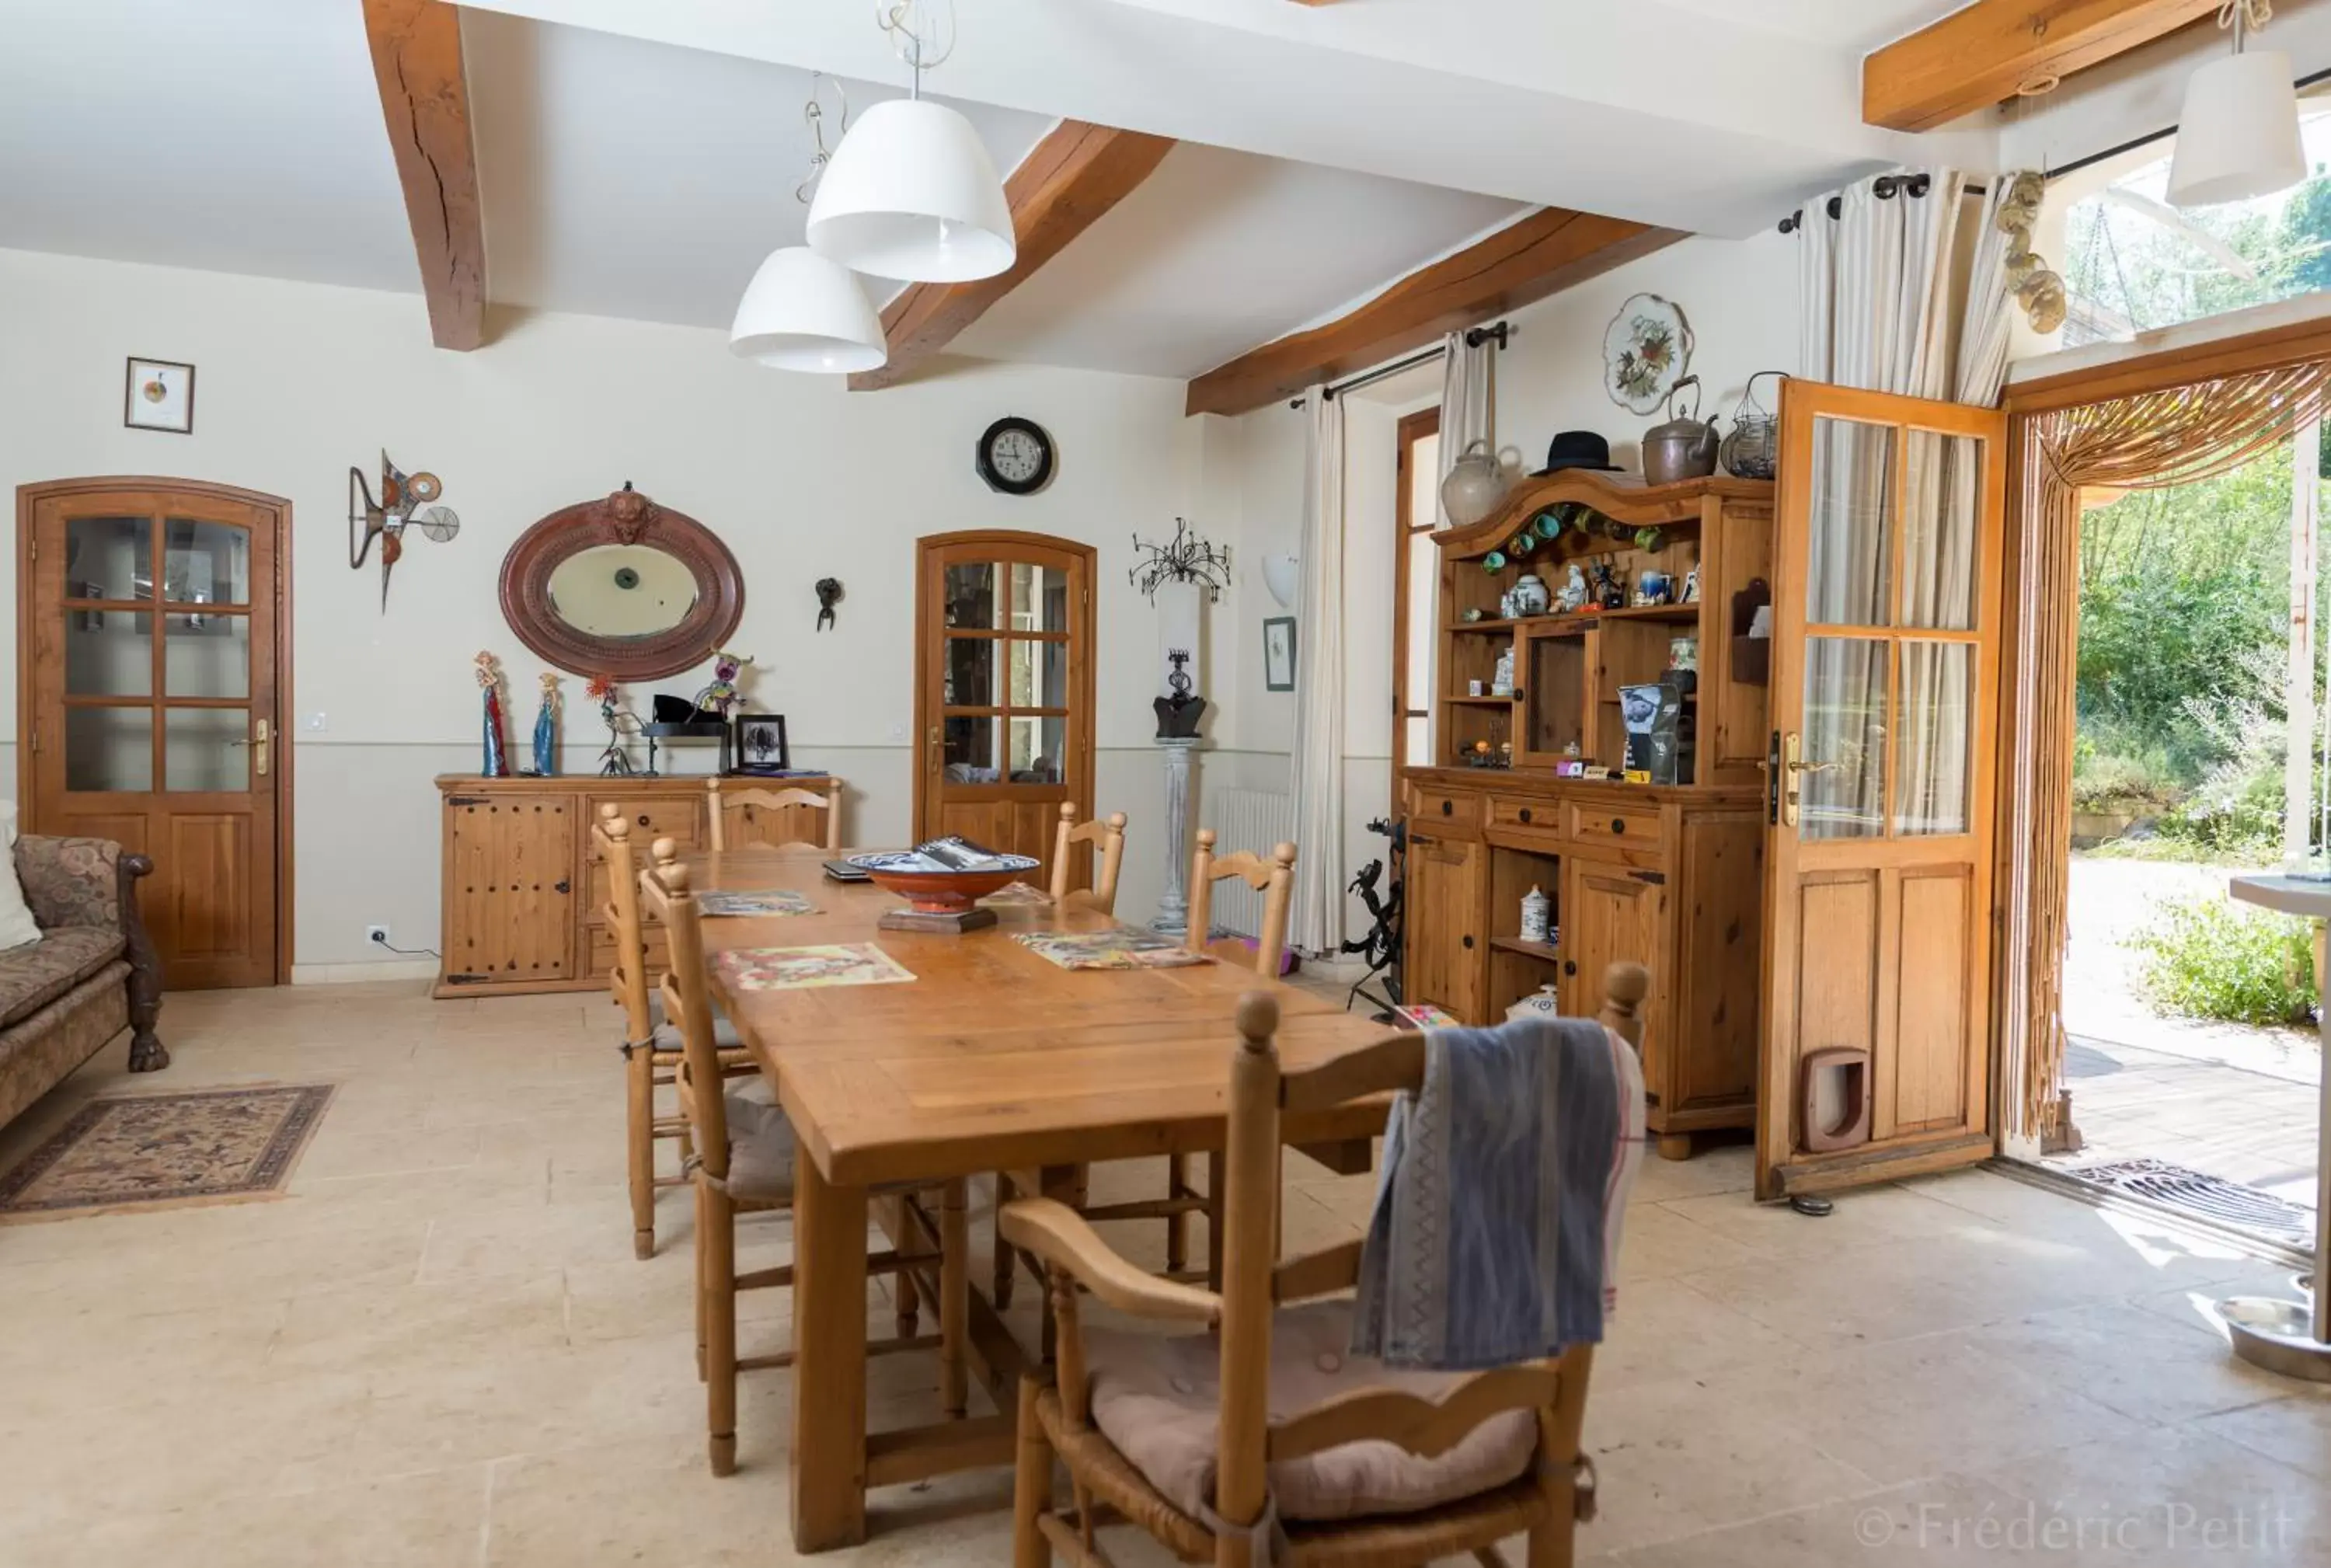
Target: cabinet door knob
(1469,944)
(1525,813)
(561,885)
(644,819)
(1618,824)
(1448,807)
(1569,966)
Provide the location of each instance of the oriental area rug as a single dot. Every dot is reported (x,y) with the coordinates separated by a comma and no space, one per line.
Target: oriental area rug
(144,1152)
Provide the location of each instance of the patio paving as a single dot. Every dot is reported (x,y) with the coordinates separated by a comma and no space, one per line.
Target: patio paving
(2229,1100)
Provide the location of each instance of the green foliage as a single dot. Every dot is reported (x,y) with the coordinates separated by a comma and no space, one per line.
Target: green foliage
(2209,957)
(2135,777)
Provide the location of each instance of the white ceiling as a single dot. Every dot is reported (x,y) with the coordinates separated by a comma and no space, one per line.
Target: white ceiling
(240,136)
(1218,251)
(639,162)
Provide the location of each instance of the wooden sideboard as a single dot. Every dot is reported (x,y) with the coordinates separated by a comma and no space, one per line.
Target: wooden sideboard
(1671,876)
(524,895)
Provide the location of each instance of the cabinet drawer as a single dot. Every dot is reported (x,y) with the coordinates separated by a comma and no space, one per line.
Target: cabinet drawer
(602,951)
(653,817)
(1616,822)
(1438,809)
(595,881)
(1541,817)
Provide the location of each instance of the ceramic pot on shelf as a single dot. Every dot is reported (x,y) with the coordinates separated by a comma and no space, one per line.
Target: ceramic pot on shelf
(1530,595)
(1474,487)
(1538,1004)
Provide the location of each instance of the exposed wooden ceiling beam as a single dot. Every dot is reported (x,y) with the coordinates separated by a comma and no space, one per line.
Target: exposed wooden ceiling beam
(1993,49)
(1065,183)
(425,98)
(1542,254)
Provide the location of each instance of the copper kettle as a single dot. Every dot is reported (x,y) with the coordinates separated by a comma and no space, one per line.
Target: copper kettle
(1684,448)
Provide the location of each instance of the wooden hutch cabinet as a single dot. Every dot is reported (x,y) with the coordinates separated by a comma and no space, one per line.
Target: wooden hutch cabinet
(524,893)
(1670,876)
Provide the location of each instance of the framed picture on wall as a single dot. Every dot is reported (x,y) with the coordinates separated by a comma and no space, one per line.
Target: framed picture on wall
(1279,653)
(760,743)
(158,394)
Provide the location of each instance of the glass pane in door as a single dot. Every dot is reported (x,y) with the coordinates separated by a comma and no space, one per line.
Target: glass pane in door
(206,748)
(207,655)
(1039,674)
(970,750)
(1841,777)
(108,653)
(205,563)
(975,593)
(970,676)
(109,748)
(1040,599)
(1942,503)
(1850,536)
(1932,744)
(109,558)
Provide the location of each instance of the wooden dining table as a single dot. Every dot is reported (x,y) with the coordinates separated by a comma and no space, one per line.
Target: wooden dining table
(991,1057)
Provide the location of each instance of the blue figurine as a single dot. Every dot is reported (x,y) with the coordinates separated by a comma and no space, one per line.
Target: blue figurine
(546,728)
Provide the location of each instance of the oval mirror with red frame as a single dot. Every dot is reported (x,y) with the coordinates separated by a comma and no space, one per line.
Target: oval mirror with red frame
(622,587)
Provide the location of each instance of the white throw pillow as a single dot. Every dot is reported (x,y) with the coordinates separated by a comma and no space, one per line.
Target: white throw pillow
(17,926)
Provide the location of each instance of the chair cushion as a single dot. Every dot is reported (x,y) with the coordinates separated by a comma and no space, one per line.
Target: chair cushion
(760,1145)
(31,977)
(1156,1399)
(667,1035)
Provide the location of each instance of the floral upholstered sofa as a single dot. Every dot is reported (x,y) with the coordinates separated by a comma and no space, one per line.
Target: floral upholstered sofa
(93,973)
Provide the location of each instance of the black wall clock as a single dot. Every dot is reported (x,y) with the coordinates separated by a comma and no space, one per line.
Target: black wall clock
(1015,456)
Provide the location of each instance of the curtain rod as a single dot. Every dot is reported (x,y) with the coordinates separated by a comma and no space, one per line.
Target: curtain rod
(1883,188)
(1474,337)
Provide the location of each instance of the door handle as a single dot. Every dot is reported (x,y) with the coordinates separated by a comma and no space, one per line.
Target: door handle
(1790,768)
(258,744)
(937,750)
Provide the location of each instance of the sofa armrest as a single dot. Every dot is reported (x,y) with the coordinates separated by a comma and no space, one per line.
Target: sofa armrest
(71,881)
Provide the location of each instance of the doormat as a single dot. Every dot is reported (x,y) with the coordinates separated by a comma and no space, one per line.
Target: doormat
(2206,1197)
(136,1153)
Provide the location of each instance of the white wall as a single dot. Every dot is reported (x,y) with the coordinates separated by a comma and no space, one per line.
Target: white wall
(801,480)
(1740,298)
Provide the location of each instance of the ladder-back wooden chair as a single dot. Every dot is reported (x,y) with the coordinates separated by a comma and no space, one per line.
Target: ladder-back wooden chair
(827,799)
(1107,835)
(744,1164)
(1277,1438)
(1275,879)
(652,1046)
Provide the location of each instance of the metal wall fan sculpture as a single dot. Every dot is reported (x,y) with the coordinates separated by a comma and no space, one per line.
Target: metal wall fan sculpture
(386,519)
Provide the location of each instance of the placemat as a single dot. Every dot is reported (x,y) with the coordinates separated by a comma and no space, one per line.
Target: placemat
(765,901)
(1126,947)
(799,968)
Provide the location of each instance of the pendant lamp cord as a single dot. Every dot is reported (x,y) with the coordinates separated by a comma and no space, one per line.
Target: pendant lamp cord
(814,113)
(918,37)
(2244,16)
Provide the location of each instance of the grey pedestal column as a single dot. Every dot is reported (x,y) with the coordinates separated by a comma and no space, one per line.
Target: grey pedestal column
(1174,909)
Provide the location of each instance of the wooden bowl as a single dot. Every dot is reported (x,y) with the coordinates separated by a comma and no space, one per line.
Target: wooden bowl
(939,892)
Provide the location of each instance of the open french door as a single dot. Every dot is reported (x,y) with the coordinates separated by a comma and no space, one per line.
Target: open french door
(1886,661)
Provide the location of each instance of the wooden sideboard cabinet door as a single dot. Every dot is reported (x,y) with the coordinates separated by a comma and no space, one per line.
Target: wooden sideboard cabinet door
(1448,943)
(510,899)
(1610,914)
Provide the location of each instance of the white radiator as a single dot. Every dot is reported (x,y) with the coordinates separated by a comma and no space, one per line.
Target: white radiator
(1252,820)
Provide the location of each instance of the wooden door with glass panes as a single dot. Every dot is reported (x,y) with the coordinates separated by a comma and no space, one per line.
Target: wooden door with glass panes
(149,618)
(1003,696)
(1886,659)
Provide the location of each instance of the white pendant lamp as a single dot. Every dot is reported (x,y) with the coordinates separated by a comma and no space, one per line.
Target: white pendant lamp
(802,312)
(911,193)
(2238,137)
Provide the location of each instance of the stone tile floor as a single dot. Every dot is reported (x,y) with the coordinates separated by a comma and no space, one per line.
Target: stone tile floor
(438,1351)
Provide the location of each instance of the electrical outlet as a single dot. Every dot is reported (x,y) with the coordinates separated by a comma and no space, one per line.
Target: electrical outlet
(377,934)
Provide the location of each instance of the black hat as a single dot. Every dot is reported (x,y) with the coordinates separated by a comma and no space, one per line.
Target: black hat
(1577,449)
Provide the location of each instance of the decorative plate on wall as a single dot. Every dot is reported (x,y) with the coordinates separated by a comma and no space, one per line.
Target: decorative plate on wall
(1645,349)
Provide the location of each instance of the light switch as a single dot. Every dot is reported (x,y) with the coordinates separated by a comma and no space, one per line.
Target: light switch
(314,723)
